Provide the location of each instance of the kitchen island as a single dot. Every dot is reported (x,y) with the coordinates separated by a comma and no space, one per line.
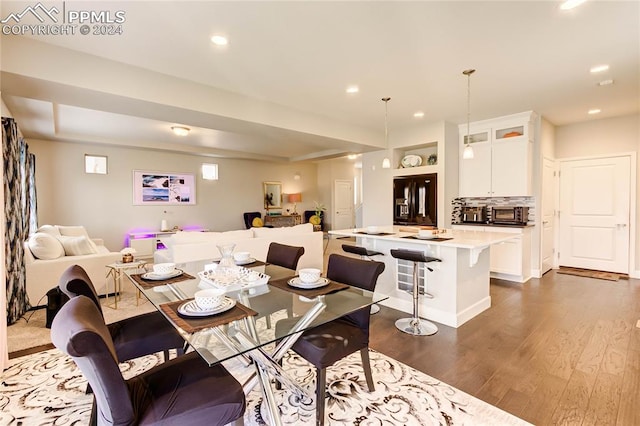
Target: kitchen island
(459,284)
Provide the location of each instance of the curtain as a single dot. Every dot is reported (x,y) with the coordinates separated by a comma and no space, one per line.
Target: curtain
(19,211)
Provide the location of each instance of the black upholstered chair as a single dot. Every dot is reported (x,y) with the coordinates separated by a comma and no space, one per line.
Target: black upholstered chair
(365,254)
(322,346)
(182,391)
(249,216)
(132,337)
(284,255)
(307,215)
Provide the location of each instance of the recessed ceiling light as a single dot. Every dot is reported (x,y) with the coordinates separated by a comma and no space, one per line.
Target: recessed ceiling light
(180,130)
(570,4)
(605,82)
(353,89)
(594,111)
(352,156)
(418,114)
(599,68)
(219,40)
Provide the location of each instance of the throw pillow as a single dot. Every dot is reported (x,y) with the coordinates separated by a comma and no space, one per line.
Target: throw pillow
(49,229)
(257,222)
(315,220)
(76,246)
(73,231)
(45,246)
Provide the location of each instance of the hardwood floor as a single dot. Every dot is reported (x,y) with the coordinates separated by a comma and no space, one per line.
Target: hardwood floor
(557,350)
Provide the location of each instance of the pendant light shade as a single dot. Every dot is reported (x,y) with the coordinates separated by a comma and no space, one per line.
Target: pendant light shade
(386,163)
(467,154)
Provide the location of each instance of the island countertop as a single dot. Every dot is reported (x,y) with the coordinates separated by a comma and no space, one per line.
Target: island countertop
(467,239)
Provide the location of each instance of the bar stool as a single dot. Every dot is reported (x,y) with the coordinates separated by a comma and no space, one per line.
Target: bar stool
(364,254)
(416,325)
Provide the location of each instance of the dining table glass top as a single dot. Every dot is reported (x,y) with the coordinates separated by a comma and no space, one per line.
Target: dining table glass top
(222,342)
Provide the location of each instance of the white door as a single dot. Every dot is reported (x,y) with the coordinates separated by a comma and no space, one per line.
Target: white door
(548,214)
(342,205)
(594,213)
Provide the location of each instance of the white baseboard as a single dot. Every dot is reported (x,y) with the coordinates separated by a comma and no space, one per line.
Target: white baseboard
(634,274)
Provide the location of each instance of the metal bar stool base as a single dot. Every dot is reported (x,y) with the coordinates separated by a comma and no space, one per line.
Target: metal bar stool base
(416,326)
(374,309)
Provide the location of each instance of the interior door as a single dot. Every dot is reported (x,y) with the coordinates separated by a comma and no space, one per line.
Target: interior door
(342,205)
(594,213)
(549,190)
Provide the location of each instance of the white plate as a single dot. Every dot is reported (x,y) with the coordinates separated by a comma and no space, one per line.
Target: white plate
(297,282)
(426,237)
(159,277)
(191,308)
(411,160)
(246,261)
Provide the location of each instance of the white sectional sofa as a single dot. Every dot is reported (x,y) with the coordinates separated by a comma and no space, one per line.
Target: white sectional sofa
(45,261)
(191,246)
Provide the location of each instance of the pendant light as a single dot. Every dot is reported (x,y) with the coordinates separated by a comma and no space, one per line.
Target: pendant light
(386,163)
(467,154)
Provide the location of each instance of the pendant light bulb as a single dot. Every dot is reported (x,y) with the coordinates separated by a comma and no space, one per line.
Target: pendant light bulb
(386,163)
(467,154)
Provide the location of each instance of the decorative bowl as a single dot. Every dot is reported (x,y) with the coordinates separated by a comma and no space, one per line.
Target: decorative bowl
(309,275)
(210,298)
(164,268)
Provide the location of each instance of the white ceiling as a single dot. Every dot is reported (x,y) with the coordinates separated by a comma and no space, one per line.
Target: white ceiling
(277,91)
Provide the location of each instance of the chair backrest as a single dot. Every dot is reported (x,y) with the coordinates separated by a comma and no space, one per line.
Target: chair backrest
(284,255)
(79,331)
(249,216)
(307,215)
(357,273)
(76,282)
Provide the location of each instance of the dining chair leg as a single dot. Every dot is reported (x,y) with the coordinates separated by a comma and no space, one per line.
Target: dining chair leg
(93,417)
(166,355)
(321,384)
(366,366)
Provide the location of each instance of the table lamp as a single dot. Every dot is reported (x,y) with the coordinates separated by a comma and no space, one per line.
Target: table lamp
(295,198)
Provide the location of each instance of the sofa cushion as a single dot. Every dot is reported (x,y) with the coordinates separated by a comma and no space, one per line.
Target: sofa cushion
(49,229)
(286,230)
(76,246)
(73,231)
(45,246)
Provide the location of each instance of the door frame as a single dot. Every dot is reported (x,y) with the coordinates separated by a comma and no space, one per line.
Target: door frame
(333,201)
(634,272)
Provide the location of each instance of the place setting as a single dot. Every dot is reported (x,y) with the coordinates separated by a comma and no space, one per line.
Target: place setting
(374,230)
(435,235)
(243,258)
(308,283)
(209,308)
(161,274)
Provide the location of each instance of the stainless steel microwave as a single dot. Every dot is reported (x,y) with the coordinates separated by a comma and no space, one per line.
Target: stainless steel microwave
(510,215)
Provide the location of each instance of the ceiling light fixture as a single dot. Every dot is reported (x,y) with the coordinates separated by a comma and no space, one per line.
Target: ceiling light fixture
(467,154)
(418,114)
(180,130)
(570,4)
(352,156)
(599,68)
(353,89)
(605,82)
(386,163)
(219,40)
(594,111)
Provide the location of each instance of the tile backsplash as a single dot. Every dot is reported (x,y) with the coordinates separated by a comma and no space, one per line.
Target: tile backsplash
(458,203)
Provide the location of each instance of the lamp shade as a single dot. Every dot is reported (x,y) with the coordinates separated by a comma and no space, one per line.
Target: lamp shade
(295,198)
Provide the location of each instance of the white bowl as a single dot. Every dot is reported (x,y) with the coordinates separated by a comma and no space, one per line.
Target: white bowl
(241,256)
(210,298)
(309,275)
(427,233)
(252,276)
(164,268)
(373,229)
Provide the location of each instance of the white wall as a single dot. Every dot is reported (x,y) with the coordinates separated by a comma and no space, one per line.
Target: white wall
(104,203)
(600,138)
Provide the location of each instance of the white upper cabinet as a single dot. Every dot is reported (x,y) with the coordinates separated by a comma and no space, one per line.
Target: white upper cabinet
(502,163)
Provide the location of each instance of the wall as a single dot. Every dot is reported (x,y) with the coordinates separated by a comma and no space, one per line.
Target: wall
(328,172)
(601,138)
(104,203)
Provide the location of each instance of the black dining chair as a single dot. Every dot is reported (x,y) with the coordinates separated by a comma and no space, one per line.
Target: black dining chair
(132,337)
(284,255)
(182,391)
(328,343)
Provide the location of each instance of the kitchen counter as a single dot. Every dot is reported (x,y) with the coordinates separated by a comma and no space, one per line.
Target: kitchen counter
(459,284)
(497,225)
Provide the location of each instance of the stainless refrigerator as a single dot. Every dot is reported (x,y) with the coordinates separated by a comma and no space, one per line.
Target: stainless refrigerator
(415,200)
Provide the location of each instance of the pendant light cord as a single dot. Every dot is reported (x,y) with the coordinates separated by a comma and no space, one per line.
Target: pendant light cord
(468,74)
(386,122)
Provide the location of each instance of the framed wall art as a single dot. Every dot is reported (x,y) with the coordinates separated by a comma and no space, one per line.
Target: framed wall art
(162,188)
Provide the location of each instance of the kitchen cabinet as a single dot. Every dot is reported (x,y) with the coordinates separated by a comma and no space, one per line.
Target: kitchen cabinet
(502,163)
(509,260)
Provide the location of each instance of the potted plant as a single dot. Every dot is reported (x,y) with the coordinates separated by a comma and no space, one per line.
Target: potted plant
(316,219)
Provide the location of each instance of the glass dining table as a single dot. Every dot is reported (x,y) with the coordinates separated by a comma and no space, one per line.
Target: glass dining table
(238,333)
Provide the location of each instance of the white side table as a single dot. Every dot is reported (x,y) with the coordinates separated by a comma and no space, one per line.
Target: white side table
(114,270)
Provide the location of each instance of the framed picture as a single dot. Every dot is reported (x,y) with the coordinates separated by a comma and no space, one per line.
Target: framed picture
(162,188)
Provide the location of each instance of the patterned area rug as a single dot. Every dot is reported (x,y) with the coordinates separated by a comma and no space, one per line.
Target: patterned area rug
(48,388)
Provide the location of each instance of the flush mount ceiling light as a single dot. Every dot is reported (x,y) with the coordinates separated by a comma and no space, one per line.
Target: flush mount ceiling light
(386,163)
(598,68)
(570,4)
(219,40)
(180,130)
(467,154)
(352,156)
(418,114)
(353,89)
(594,111)
(605,82)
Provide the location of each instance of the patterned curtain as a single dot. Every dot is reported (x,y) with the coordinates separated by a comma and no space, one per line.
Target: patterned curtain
(18,210)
